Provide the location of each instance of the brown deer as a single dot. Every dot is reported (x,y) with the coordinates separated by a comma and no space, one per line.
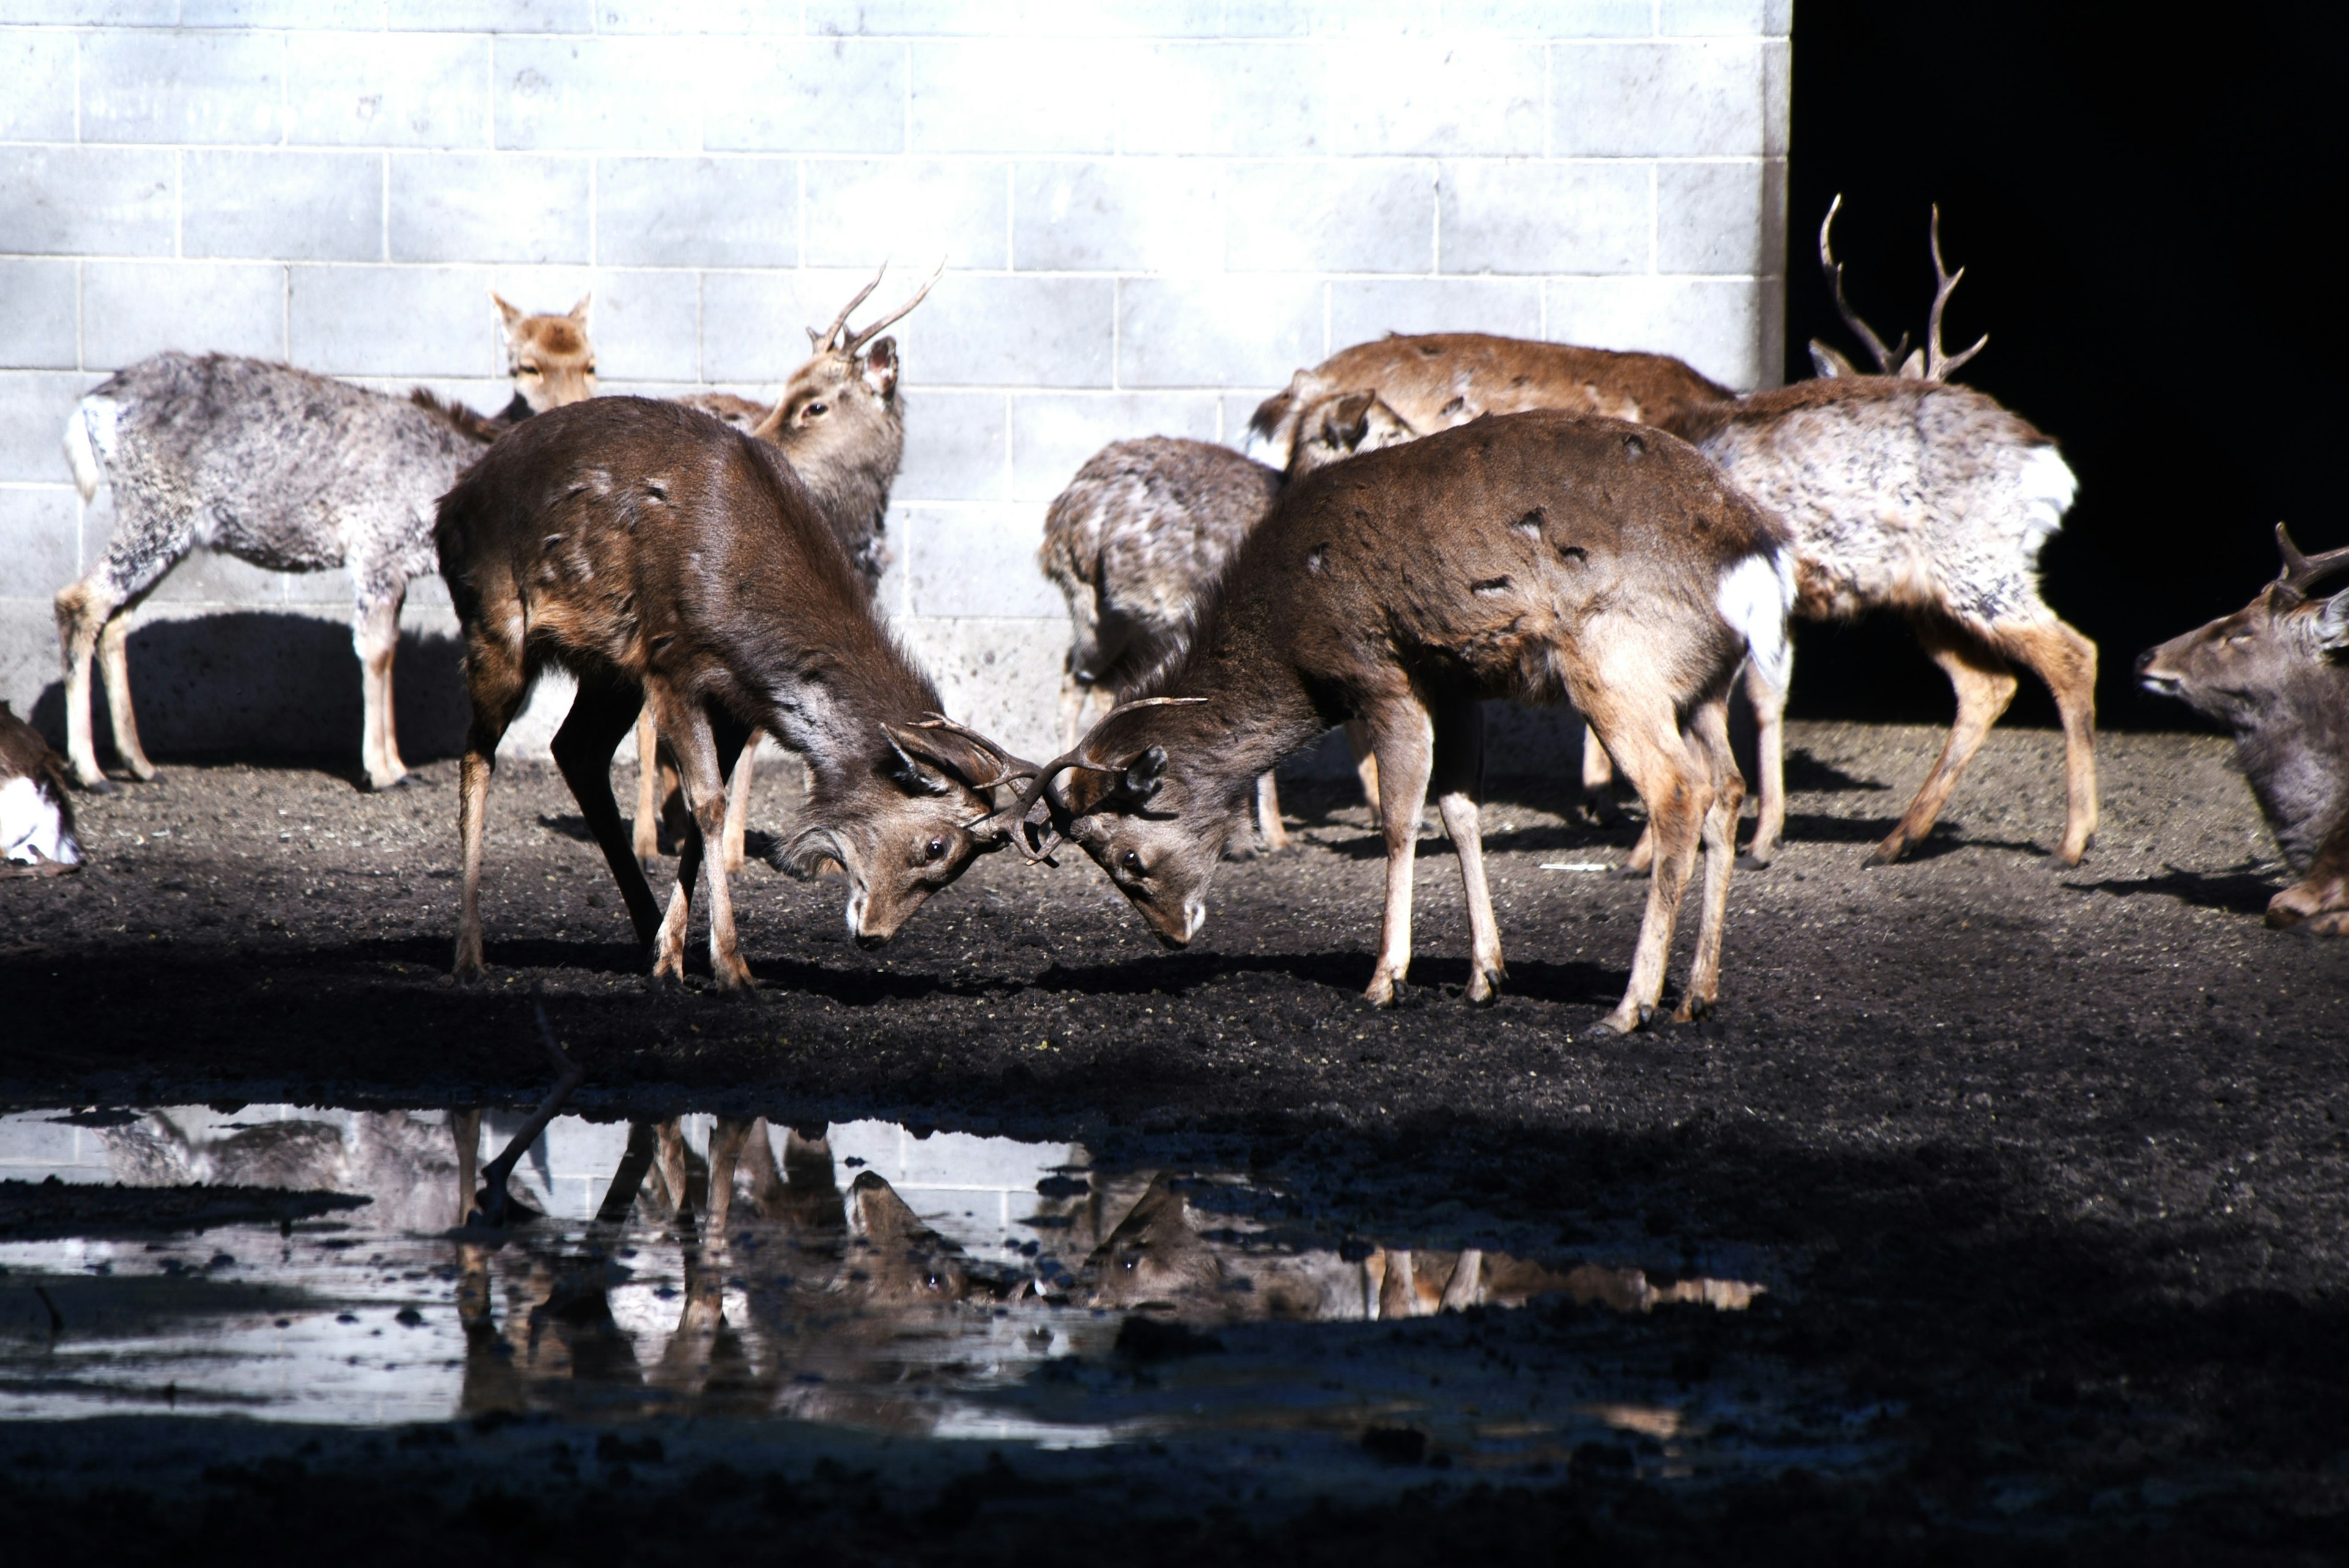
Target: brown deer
(2273,674)
(36,825)
(1145,530)
(664,559)
(841,426)
(292,471)
(1545,556)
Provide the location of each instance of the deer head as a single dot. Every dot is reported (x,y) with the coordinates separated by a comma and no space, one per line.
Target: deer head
(1929,363)
(549,357)
(1343,426)
(847,387)
(2232,668)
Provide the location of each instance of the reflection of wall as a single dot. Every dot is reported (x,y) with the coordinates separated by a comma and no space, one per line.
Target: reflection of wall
(1149,225)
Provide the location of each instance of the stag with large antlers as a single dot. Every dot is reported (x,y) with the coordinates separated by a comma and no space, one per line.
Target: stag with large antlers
(666,560)
(841,426)
(1545,556)
(2274,674)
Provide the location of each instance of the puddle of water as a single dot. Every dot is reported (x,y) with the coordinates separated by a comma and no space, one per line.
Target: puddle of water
(859,1275)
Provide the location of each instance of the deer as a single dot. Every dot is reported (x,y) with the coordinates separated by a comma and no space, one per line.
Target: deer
(1146,528)
(292,471)
(841,426)
(37,820)
(2274,674)
(664,559)
(1545,556)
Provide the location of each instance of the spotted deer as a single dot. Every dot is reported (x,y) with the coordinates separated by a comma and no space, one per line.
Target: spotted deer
(841,426)
(2275,673)
(1143,533)
(666,560)
(292,471)
(1543,556)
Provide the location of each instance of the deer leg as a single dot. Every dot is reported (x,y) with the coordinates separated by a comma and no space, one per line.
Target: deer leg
(1646,742)
(600,714)
(1406,744)
(1770,760)
(465,1128)
(147,542)
(2066,661)
(727,1140)
(375,638)
(1268,815)
(737,806)
(1597,804)
(496,681)
(1457,778)
(647,833)
(703,759)
(114,670)
(2317,897)
(1465,1285)
(1366,765)
(1709,729)
(1984,686)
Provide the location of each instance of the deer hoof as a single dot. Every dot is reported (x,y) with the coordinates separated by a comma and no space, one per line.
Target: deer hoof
(1749,861)
(96,785)
(1628,872)
(2332,923)
(1886,853)
(1385,989)
(468,967)
(1695,1010)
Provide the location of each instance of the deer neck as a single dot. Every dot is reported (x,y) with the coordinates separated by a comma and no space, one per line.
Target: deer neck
(848,475)
(1256,710)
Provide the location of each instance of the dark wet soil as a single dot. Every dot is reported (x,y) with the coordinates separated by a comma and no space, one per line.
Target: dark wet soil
(2062,1155)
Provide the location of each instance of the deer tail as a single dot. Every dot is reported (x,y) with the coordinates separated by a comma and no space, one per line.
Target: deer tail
(1755,598)
(92,413)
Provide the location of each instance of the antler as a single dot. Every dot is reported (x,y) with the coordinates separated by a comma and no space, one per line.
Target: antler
(1046,783)
(1011,767)
(1887,360)
(1939,366)
(824,344)
(2301,572)
(853,344)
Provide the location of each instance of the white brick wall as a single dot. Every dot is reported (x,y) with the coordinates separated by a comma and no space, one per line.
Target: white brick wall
(1154,211)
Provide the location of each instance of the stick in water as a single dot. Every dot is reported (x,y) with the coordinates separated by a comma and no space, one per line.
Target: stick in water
(491,1212)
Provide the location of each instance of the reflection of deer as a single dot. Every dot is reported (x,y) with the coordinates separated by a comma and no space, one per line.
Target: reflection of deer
(407,1164)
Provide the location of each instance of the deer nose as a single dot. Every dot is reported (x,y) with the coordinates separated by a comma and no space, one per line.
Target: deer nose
(2145,659)
(868,940)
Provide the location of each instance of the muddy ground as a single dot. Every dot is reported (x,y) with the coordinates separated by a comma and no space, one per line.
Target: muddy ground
(2059,1159)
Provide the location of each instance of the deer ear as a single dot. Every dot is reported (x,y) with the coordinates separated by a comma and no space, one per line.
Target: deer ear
(912,774)
(1143,774)
(933,761)
(512,315)
(1912,369)
(881,366)
(2332,623)
(1829,363)
(579,312)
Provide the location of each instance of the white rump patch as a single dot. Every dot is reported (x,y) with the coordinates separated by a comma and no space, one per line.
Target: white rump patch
(89,435)
(2044,488)
(1754,596)
(31,830)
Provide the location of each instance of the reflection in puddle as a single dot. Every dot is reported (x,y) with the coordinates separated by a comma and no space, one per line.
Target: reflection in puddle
(857,1274)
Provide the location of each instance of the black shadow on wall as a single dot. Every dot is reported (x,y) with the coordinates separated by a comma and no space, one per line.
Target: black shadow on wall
(2138,199)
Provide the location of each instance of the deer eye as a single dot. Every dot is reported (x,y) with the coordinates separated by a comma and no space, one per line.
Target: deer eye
(591,366)
(2236,638)
(936,849)
(813,410)
(1132,862)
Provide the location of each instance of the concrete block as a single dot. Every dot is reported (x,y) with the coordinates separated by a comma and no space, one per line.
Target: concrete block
(1690,98)
(330,589)
(388,90)
(1722,217)
(977,330)
(1725,18)
(489,207)
(1001,676)
(1467,98)
(803,95)
(1331,215)
(113,13)
(1529,217)
(1361,310)
(1234,408)
(957,446)
(118,200)
(40,326)
(30,682)
(38,550)
(392,321)
(1127,214)
(616,95)
(1214,332)
(646,325)
(492,16)
(285,205)
(753,323)
(33,408)
(132,309)
(1714,324)
(38,66)
(209,577)
(357,14)
(1253,100)
(1552,18)
(1017,95)
(1777,95)
(1054,433)
(669,18)
(181,86)
(973,559)
(915,209)
(697,212)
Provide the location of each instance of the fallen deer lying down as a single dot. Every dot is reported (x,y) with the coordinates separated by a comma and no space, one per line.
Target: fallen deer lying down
(36,825)
(666,560)
(1544,556)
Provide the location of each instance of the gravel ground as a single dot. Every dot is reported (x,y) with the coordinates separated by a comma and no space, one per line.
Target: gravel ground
(2057,1156)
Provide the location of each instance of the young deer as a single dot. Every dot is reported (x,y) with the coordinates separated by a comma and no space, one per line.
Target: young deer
(841,426)
(2272,672)
(666,560)
(1143,533)
(1544,556)
(292,471)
